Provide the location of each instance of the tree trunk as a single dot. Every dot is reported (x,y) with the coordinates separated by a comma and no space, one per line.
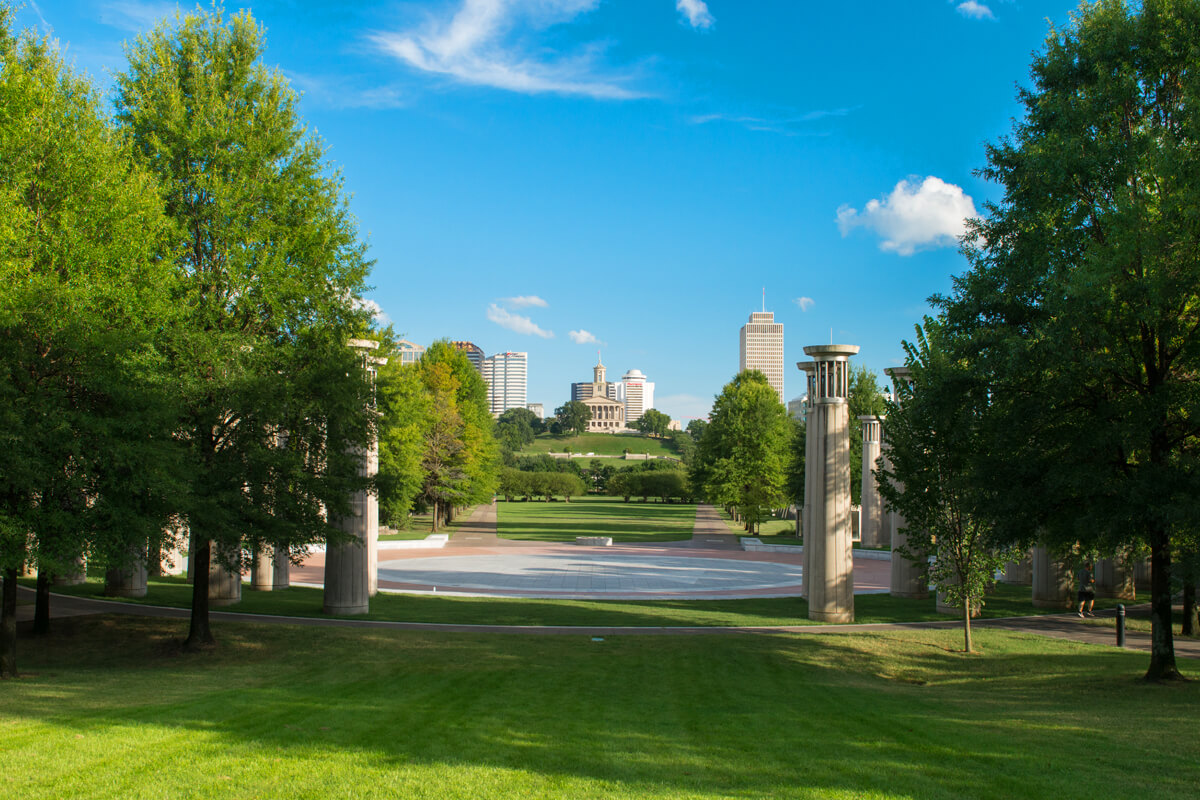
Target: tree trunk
(8,624)
(1191,620)
(41,608)
(433,524)
(1162,646)
(968,647)
(200,634)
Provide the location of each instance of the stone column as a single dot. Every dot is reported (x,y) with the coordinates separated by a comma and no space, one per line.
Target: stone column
(128,579)
(871,525)
(809,369)
(283,569)
(262,569)
(351,575)
(1019,573)
(831,561)
(74,573)
(1052,582)
(908,576)
(1114,580)
(224,584)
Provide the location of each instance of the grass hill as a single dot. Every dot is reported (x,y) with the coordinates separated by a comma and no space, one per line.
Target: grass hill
(602,444)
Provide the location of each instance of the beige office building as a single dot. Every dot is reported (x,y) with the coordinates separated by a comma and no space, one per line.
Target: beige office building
(762,348)
(506,377)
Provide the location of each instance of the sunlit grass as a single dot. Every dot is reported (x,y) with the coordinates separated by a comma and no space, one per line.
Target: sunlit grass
(595,516)
(110,708)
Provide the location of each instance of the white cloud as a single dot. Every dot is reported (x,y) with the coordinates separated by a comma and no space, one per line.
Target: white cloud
(516,322)
(914,216)
(377,312)
(696,11)
(524,301)
(975,10)
(805,303)
(476,46)
(136,16)
(790,125)
(583,337)
(338,93)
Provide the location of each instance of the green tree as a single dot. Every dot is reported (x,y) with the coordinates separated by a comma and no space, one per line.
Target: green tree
(743,454)
(864,399)
(573,417)
(516,428)
(653,423)
(83,427)
(405,410)
(268,270)
(932,433)
(1081,309)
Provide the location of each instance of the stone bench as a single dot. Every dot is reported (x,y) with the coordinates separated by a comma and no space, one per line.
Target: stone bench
(594,541)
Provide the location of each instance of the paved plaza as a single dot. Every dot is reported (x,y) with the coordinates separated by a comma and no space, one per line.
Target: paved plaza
(710,565)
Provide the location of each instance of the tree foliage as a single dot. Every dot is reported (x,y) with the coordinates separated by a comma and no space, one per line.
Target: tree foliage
(934,430)
(84,423)
(653,423)
(267,268)
(742,457)
(573,417)
(1082,306)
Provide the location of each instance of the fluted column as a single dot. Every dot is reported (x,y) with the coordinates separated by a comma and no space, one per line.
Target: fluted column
(1114,579)
(127,579)
(1019,573)
(809,370)
(1052,582)
(351,568)
(871,524)
(831,562)
(225,583)
(908,576)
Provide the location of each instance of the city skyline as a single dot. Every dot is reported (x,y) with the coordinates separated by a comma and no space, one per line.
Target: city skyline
(558,176)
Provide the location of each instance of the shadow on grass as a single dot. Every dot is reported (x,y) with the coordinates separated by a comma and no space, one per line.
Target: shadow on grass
(878,715)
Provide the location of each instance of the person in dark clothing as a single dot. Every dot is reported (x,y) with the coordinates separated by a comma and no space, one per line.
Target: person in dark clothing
(1086,576)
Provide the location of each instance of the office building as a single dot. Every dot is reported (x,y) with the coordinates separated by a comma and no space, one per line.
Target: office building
(636,393)
(538,409)
(762,348)
(506,376)
(608,415)
(409,352)
(474,353)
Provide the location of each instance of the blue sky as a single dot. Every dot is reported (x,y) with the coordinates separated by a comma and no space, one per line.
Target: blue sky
(567,176)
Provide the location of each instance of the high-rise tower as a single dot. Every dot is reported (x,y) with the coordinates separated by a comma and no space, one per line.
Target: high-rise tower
(762,348)
(506,377)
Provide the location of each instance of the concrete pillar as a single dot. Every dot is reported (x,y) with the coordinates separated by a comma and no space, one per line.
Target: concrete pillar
(128,579)
(809,369)
(224,584)
(871,526)
(283,569)
(1052,582)
(74,573)
(908,576)
(831,561)
(1114,580)
(262,569)
(351,569)
(1141,575)
(1019,573)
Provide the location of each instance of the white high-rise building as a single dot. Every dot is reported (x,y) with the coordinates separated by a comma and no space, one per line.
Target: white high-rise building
(762,348)
(506,377)
(636,393)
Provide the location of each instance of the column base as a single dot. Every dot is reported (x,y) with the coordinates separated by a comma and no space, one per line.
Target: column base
(347,611)
(842,617)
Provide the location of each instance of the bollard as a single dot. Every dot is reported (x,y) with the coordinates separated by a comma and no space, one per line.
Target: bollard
(1120,625)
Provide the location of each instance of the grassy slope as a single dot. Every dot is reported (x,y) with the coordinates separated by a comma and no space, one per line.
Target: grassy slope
(111,709)
(595,516)
(612,444)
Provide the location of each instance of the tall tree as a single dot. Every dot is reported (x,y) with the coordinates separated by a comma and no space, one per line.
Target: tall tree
(743,454)
(933,431)
(573,416)
(269,268)
(1082,305)
(82,291)
(653,423)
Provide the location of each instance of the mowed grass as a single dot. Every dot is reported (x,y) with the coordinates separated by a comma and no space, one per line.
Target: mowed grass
(603,444)
(302,601)
(595,516)
(110,708)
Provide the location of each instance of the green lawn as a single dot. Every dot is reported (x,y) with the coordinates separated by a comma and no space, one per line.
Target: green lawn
(301,601)
(109,708)
(605,444)
(595,516)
